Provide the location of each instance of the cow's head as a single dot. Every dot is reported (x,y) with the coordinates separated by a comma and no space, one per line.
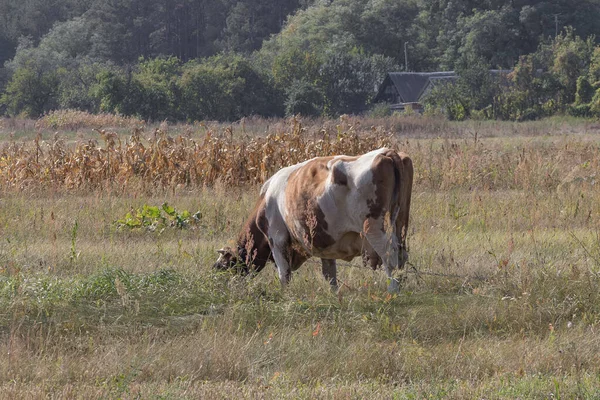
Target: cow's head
(232,260)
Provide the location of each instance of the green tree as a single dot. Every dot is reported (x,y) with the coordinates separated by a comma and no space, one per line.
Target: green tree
(294,64)
(31,92)
(226,88)
(117,92)
(594,71)
(303,98)
(157,82)
(75,90)
(571,59)
(348,80)
(491,36)
(250,22)
(477,85)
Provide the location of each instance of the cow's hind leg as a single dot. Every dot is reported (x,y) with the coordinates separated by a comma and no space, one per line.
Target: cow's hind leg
(330,272)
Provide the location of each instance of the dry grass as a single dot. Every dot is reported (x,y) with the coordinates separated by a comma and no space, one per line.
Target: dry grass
(88,310)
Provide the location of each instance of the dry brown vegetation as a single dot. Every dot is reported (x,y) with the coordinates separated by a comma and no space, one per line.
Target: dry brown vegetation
(75,119)
(160,160)
(504,229)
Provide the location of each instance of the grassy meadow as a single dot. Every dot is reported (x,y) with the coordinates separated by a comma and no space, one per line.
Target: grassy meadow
(105,293)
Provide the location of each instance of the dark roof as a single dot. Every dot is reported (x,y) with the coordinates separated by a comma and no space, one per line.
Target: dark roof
(411,85)
(437,79)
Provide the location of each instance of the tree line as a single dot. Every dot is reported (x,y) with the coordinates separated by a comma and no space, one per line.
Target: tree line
(226,59)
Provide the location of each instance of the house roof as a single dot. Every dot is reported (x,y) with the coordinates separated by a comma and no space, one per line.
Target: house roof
(412,85)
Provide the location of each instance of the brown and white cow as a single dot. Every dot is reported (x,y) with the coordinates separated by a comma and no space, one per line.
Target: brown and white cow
(335,207)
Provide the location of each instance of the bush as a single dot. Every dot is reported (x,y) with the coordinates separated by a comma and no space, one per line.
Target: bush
(584,92)
(157,81)
(530,114)
(579,110)
(303,98)
(379,110)
(595,104)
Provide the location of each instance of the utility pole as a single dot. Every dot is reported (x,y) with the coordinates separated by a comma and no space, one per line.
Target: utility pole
(405,57)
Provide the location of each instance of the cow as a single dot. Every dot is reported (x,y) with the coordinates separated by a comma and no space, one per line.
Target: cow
(336,207)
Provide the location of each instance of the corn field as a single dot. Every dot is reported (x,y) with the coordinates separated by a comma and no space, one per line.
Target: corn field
(159,160)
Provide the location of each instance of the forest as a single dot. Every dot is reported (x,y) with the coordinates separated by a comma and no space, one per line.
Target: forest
(194,60)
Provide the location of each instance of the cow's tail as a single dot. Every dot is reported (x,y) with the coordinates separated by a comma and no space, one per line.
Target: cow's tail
(401,197)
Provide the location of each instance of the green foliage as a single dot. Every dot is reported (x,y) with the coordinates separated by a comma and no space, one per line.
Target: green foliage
(585,91)
(448,99)
(580,110)
(379,110)
(249,22)
(150,91)
(490,35)
(152,218)
(571,59)
(160,60)
(117,92)
(541,84)
(226,88)
(595,103)
(30,91)
(326,81)
(348,79)
(476,83)
(157,80)
(303,98)
(76,88)
(53,74)
(594,72)
(294,64)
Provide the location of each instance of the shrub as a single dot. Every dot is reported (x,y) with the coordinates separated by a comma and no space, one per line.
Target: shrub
(303,98)
(584,92)
(379,110)
(579,110)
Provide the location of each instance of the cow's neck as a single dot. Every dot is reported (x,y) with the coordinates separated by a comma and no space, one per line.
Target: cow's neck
(253,246)
(255,255)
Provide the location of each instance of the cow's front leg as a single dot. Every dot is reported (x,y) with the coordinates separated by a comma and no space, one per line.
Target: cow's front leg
(330,272)
(385,243)
(283,265)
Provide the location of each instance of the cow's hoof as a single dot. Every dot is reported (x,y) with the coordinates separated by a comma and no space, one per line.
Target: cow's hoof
(394,286)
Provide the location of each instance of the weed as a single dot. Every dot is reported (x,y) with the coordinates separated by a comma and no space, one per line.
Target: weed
(152,218)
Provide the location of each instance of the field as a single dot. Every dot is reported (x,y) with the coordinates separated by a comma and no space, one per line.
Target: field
(105,292)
